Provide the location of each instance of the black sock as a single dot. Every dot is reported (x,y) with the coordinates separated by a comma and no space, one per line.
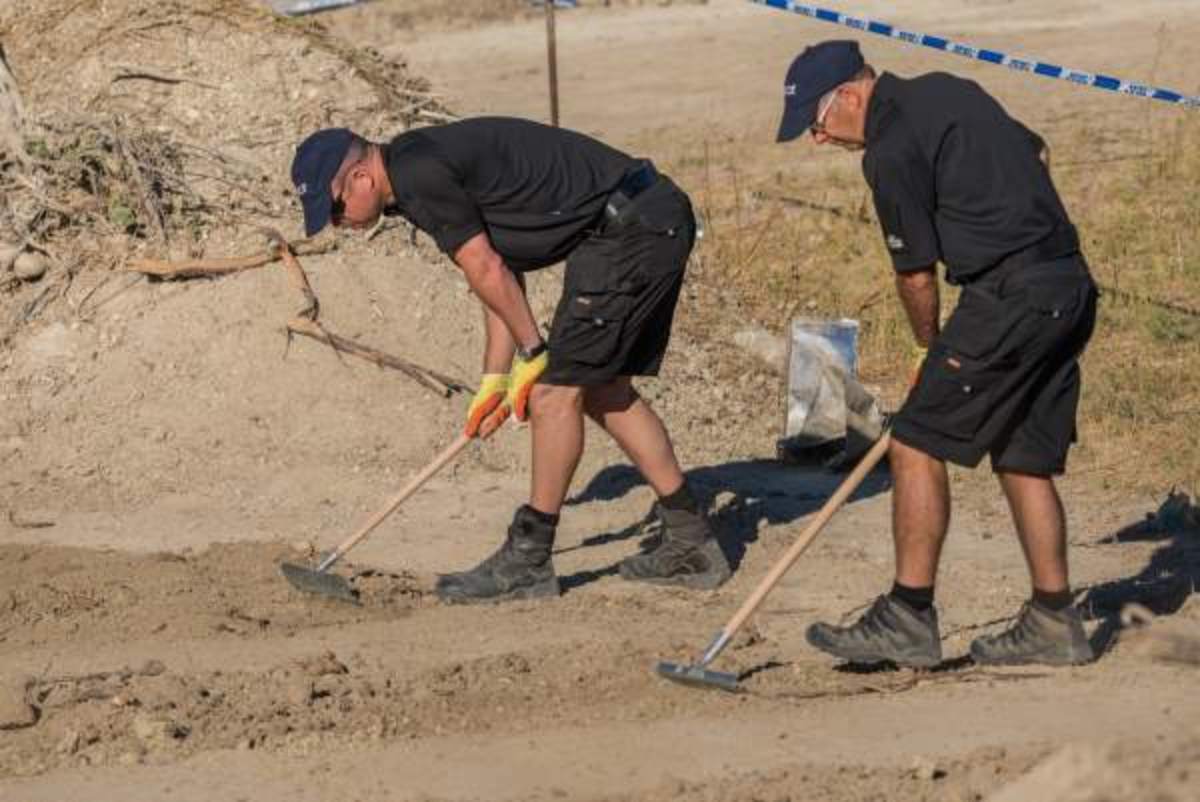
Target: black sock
(542,517)
(1055,601)
(919,599)
(681,499)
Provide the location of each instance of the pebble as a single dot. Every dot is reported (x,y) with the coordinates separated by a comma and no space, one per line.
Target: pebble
(152,668)
(925,768)
(15,711)
(299,691)
(30,265)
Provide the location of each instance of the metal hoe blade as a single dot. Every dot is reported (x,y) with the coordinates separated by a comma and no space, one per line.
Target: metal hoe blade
(319,582)
(698,677)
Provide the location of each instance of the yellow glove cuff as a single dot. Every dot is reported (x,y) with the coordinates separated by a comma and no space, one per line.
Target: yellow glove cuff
(524,375)
(490,384)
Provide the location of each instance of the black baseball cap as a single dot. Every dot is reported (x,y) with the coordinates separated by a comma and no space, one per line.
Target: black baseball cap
(815,72)
(316,163)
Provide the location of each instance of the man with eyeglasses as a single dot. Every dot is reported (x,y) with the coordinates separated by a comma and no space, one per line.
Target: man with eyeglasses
(501,197)
(956,180)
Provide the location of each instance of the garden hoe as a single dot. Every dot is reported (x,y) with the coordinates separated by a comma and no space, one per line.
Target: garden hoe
(318,580)
(698,673)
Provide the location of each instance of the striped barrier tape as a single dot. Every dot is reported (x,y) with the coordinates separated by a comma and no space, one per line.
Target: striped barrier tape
(990,56)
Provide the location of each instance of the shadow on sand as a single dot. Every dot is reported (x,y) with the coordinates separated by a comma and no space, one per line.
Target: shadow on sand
(1167,580)
(741,497)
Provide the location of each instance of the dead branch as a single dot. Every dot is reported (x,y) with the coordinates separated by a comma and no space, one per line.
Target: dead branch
(208,268)
(296,274)
(430,379)
(135,74)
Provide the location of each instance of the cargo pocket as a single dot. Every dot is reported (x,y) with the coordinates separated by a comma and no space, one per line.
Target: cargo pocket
(593,324)
(956,393)
(1057,296)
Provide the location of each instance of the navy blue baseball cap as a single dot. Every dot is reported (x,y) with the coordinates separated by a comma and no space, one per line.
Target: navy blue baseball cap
(815,72)
(316,163)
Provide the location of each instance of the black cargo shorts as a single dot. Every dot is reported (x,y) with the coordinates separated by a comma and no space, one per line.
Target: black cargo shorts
(620,290)
(1003,378)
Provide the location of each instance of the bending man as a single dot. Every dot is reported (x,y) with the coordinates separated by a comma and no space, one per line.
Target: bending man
(503,196)
(956,180)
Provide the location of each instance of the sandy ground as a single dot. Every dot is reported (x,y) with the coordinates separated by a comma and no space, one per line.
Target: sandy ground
(163,455)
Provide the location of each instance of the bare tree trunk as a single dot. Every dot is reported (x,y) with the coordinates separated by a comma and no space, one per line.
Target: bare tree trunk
(12,116)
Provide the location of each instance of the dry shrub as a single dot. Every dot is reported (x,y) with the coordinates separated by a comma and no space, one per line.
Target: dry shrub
(169,127)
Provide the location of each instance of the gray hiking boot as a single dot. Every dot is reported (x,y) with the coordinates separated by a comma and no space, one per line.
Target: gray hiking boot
(1039,636)
(520,569)
(890,631)
(688,554)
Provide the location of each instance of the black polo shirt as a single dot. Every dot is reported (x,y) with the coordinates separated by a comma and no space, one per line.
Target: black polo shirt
(955,179)
(535,190)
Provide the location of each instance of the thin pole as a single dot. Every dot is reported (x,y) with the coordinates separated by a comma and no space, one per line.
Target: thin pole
(552,61)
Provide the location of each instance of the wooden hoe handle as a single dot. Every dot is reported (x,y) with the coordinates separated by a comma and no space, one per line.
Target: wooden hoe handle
(413,486)
(848,486)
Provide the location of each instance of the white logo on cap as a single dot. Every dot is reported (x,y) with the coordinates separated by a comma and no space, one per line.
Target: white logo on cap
(302,189)
(789,90)
(894,243)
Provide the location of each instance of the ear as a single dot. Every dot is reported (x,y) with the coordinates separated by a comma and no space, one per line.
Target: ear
(850,95)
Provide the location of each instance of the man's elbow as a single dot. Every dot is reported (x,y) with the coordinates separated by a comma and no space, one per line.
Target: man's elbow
(917,279)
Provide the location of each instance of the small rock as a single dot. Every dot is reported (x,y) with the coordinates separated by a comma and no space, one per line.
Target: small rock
(30,265)
(304,548)
(152,668)
(299,691)
(15,711)
(322,664)
(926,769)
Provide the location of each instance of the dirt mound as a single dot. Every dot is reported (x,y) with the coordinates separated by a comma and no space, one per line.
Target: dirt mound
(168,127)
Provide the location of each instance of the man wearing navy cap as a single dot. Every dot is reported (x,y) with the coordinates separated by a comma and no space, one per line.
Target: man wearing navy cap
(956,180)
(501,197)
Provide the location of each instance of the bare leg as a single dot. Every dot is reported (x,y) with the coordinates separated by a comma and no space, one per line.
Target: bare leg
(556,414)
(920,514)
(1037,512)
(640,433)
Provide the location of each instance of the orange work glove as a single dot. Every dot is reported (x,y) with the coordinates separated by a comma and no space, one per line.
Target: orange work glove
(525,374)
(490,406)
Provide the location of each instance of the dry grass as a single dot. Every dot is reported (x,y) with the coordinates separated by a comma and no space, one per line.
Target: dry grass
(790,242)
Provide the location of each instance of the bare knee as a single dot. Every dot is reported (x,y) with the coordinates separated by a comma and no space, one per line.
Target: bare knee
(553,401)
(617,395)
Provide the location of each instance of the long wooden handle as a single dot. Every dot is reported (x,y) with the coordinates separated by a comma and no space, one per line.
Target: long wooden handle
(424,476)
(848,486)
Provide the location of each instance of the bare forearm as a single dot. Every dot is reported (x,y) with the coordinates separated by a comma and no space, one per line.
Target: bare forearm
(499,348)
(508,320)
(919,295)
(505,301)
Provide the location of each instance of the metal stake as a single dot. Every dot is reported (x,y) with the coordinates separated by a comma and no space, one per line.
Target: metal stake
(552,61)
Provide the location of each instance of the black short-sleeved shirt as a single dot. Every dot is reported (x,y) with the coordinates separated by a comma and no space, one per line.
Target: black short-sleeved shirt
(954,177)
(534,189)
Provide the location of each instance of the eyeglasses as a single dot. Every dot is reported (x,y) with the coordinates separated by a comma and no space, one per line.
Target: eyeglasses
(338,209)
(823,107)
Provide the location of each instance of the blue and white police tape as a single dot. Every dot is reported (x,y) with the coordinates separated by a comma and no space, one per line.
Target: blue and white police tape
(990,56)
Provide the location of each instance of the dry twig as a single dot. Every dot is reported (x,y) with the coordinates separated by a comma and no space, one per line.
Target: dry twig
(208,268)
(437,382)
